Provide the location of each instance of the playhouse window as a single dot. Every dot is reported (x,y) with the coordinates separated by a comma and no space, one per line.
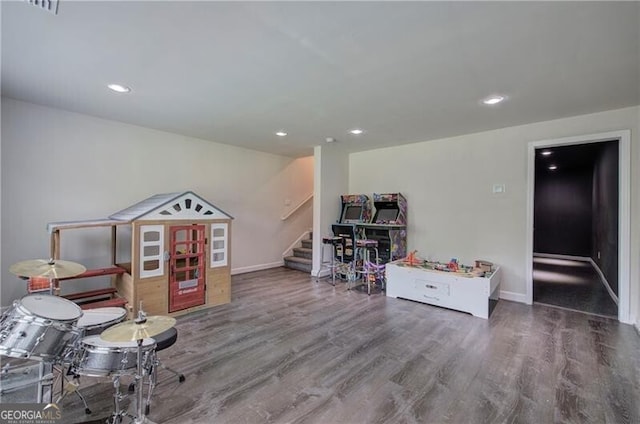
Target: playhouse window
(151,236)
(151,265)
(219,244)
(151,248)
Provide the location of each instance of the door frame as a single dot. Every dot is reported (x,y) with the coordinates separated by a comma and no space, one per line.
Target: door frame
(624,210)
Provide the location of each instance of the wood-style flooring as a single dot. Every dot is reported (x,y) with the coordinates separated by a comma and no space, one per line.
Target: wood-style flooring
(290,350)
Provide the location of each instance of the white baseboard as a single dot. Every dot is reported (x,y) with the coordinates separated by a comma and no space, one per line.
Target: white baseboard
(556,256)
(323,273)
(512,296)
(258,267)
(604,281)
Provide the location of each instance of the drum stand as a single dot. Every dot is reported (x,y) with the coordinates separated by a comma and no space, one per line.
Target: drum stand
(140,415)
(116,416)
(71,387)
(153,378)
(137,329)
(44,380)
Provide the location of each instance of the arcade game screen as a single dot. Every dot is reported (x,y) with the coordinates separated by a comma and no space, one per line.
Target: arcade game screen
(385,216)
(352,213)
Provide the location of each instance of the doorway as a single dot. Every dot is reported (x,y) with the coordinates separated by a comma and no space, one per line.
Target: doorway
(575,222)
(186,267)
(579,240)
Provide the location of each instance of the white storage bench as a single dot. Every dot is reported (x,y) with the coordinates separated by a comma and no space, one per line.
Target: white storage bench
(475,295)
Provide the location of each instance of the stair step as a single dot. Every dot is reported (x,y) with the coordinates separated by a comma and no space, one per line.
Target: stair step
(303,252)
(307,244)
(301,264)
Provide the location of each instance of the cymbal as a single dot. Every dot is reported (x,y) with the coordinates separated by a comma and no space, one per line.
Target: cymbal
(49,268)
(129,331)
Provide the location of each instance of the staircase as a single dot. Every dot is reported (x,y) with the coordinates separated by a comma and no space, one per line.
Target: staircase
(301,259)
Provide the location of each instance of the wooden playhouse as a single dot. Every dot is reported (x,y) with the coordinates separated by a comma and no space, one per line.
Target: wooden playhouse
(179,257)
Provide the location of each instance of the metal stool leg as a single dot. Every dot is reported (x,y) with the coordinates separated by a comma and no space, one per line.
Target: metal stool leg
(181,377)
(331,265)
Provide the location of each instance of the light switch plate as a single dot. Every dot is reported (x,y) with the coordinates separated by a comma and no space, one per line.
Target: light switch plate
(498,188)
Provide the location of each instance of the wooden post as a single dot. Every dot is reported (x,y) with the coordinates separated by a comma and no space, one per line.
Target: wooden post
(55,244)
(113,244)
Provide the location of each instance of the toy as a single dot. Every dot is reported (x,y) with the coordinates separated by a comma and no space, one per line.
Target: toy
(453,265)
(412,260)
(179,246)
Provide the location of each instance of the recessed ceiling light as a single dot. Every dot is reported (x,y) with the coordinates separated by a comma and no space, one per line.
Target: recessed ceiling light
(493,100)
(281,133)
(356,131)
(546,152)
(553,167)
(119,88)
(330,140)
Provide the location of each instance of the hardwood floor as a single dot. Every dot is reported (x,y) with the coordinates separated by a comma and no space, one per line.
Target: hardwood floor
(290,350)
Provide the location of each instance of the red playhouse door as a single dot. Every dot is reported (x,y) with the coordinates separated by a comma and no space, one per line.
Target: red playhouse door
(186,271)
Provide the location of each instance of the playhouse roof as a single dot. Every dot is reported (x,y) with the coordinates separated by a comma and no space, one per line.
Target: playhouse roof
(171,205)
(166,206)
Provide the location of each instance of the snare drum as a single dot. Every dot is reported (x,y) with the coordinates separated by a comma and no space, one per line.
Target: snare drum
(39,326)
(95,321)
(99,358)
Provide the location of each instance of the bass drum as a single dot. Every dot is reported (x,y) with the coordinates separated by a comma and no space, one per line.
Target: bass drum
(39,326)
(99,358)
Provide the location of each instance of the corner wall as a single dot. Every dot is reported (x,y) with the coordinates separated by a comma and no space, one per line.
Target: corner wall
(63,166)
(331,180)
(448,183)
(605,213)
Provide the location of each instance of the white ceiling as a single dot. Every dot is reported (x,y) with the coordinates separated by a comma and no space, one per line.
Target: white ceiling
(236,72)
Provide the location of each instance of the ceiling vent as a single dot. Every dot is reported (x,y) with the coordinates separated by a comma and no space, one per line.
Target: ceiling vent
(48,5)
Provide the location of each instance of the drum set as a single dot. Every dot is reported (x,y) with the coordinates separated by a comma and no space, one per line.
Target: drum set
(70,342)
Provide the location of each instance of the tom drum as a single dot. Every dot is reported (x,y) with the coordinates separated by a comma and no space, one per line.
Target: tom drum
(95,321)
(39,326)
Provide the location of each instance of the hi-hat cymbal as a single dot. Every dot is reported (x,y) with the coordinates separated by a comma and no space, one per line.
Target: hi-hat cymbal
(48,268)
(129,331)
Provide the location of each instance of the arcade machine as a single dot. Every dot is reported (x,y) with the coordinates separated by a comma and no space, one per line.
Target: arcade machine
(356,209)
(389,226)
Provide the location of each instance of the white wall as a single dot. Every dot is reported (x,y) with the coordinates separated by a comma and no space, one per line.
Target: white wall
(635,208)
(448,185)
(60,166)
(331,180)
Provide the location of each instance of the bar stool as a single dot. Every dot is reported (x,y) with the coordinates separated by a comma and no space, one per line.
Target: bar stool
(363,250)
(332,265)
